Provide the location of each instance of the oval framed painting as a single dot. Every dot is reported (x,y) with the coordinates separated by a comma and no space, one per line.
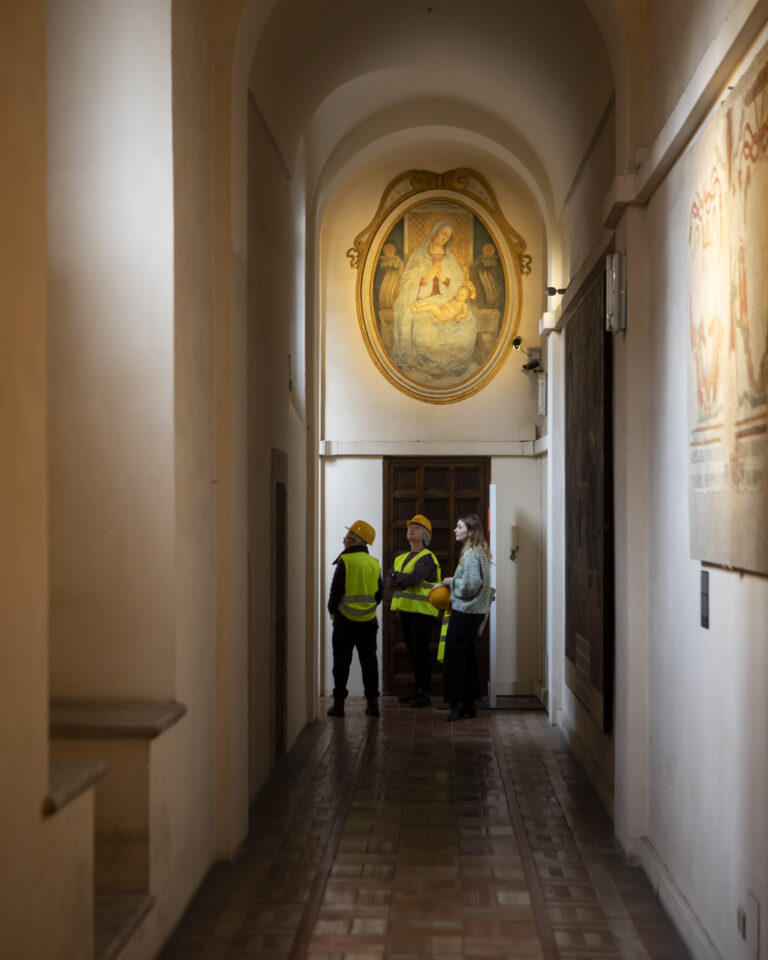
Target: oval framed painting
(439,290)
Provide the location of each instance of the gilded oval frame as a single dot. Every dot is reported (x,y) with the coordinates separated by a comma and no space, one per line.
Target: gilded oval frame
(421,197)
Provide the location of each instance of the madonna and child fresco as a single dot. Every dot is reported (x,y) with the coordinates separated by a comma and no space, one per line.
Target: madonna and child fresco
(439,291)
(432,318)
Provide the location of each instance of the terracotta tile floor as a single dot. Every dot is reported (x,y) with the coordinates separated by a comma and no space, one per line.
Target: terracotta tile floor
(405,837)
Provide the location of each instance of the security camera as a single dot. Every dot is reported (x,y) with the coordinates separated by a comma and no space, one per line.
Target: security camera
(517,343)
(531,365)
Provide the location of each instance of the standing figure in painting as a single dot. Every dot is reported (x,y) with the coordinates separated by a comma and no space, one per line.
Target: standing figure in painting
(432,278)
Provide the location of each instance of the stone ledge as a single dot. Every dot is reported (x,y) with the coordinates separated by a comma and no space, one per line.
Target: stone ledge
(117,917)
(68,779)
(108,719)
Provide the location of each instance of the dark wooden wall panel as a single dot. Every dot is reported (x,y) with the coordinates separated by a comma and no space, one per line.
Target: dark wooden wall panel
(589,584)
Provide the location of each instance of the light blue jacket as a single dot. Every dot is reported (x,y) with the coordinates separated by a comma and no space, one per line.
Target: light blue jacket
(470,585)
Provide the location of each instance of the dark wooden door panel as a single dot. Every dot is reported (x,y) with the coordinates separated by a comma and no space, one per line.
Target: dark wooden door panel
(589,582)
(443,489)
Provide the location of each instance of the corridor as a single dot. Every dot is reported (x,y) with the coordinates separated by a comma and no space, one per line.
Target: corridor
(407,837)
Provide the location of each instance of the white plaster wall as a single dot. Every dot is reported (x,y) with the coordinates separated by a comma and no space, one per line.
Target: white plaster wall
(518,640)
(301,646)
(707,689)
(276,405)
(23,504)
(352,489)
(677,41)
(183,761)
(111,339)
(583,239)
(581,217)
(63,921)
(543,487)
(631,352)
(555,525)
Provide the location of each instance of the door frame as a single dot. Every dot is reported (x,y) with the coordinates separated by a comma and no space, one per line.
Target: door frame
(393,545)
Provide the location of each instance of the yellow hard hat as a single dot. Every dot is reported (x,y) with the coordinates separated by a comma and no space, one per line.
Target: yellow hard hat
(422,521)
(440,597)
(364,530)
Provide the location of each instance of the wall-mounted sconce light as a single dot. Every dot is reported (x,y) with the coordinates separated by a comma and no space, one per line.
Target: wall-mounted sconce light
(534,353)
(514,542)
(555,291)
(534,366)
(615,293)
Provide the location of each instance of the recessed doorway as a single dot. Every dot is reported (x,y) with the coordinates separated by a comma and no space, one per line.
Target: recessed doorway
(443,489)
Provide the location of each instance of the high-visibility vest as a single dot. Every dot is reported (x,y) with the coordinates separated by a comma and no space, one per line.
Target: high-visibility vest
(361,581)
(415,599)
(443,635)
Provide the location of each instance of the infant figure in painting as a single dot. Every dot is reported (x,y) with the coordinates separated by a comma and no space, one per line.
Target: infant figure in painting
(455,309)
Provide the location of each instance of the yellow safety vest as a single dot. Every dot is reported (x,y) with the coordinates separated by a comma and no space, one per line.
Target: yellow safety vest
(361,581)
(414,599)
(443,635)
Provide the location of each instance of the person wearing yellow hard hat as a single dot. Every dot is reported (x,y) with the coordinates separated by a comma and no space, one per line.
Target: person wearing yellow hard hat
(413,575)
(356,591)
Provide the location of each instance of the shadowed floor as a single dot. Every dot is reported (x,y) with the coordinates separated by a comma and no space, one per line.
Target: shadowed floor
(407,837)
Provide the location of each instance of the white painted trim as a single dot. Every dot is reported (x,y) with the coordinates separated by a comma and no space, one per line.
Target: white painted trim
(541,446)
(492,612)
(519,688)
(602,787)
(429,448)
(674,902)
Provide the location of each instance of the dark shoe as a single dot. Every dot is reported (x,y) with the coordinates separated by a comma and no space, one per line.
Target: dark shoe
(372,710)
(453,714)
(468,711)
(421,700)
(336,709)
(406,697)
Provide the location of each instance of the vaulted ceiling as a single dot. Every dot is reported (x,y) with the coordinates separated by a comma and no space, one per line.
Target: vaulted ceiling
(533,77)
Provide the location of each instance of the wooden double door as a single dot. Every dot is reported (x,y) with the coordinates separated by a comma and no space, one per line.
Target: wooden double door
(442,489)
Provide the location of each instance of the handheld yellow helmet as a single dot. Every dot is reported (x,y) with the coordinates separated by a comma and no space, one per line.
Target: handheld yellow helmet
(440,597)
(422,521)
(364,530)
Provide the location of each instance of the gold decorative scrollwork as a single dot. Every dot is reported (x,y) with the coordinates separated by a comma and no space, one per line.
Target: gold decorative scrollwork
(464,181)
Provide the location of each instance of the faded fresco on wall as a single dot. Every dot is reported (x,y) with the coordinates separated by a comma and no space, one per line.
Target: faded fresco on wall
(431,316)
(728,330)
(439,293)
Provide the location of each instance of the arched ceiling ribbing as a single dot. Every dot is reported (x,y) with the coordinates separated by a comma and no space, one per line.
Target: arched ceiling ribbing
(538,73)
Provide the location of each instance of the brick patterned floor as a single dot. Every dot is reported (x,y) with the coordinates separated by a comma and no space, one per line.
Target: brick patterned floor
(405,837)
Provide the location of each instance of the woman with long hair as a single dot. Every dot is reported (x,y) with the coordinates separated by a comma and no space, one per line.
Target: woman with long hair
(470,588)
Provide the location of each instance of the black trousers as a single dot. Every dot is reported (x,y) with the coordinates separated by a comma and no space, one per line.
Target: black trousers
(349,635)
(417,630)
(460,663)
